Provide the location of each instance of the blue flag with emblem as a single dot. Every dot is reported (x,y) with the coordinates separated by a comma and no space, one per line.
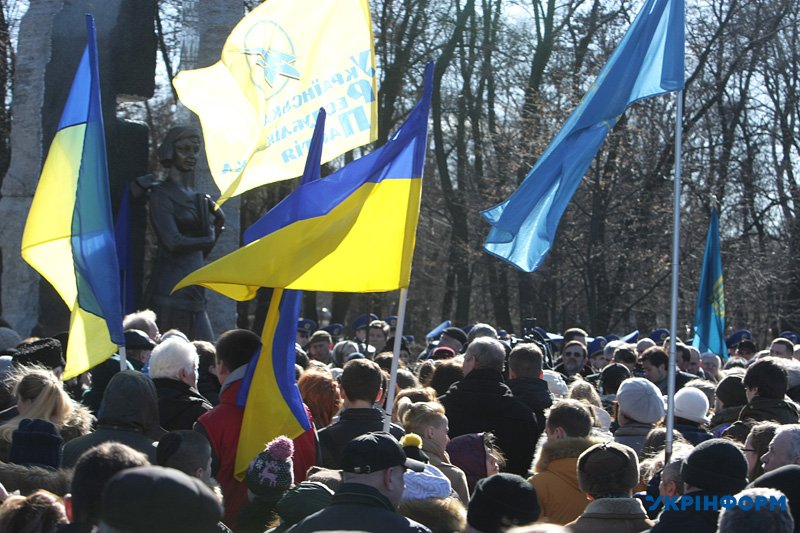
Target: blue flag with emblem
(648,61)
(709,317)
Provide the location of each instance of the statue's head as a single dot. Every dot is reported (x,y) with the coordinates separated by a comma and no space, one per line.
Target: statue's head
(166,152)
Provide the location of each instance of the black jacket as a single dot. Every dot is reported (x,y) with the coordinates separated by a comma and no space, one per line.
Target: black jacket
(534,393)
(352,423)
(357,507)
(761,410)
(179,405)
(691,520)
(482,402)
(129,414)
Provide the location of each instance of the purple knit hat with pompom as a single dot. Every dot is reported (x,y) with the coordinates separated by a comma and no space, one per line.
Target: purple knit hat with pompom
(271,470)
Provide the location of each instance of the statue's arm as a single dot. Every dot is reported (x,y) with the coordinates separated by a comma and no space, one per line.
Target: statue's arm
(169,236)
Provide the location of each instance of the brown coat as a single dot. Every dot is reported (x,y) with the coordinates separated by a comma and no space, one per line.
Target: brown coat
(620,515)
(440,459)
(555,479)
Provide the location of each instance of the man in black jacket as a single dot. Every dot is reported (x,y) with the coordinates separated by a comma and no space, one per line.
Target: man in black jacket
(372,487)
(483,402)
(361,388)
(174,370)
(525,379)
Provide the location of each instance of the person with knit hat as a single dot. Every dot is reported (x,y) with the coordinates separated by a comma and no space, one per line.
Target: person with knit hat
(640,407)
(501,501)
(715,468)
(36,442)
(301,501)
(691,406)
(729,398)
(607,474)
(269,476)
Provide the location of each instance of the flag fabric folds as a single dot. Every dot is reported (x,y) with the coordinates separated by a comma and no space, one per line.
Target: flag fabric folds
(709,317)
(273,404)
(69,234)
(648,61)
(280,64)
(352,231)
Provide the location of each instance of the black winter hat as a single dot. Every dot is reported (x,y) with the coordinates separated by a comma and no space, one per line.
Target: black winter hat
(502,500)
(36,443)
(715,465)
(457,334)
(731,392)
(46,352)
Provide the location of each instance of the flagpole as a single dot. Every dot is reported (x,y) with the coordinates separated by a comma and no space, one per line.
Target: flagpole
(123,359)
(398,335)
(676,239)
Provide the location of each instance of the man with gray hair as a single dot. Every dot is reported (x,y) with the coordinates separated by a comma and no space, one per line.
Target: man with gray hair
(711,364)
(784,449)
(754,513)
(482,402)
(173,369)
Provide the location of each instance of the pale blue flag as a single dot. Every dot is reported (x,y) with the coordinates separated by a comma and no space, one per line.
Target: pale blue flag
(649,61)
(709,317)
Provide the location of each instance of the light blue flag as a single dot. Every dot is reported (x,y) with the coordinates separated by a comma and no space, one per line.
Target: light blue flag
(649,61)
(709,317)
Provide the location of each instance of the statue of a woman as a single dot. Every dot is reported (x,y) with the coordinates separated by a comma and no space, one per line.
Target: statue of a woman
(187,225)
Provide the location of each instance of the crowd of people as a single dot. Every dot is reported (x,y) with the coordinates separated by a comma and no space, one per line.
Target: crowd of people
(489,433)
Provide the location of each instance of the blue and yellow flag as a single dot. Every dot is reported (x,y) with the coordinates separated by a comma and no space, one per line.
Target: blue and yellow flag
(69,234)
(709,317)
(352,231)
(258,104)
(273,404)
(648,61)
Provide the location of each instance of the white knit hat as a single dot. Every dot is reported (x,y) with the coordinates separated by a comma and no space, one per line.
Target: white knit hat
(691,404)
(430,483)
(640,400)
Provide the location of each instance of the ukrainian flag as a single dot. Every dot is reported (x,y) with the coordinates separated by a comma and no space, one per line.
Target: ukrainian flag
(282,62)
(69,236)
(352,231)
(273,407)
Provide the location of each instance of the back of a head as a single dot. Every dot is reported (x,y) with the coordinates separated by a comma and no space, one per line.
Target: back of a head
(572,416)
(93,469)
(612,376)
(625,355)
(183,450)
(172,356)
(236,347)
(39,511)
(130,400)
(487,353)
(607,470)
(421,415)
(501,501)
(154,499)
(445,374)
(758,509)
(361,380)
(768,378)
(142,320)
(525,360)
(207,354)
(481,330)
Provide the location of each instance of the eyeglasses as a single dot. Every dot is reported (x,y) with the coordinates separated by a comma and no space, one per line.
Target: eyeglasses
(573,354)
(749,450)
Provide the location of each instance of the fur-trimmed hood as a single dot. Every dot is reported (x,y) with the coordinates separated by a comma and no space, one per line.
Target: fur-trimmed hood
(567,448)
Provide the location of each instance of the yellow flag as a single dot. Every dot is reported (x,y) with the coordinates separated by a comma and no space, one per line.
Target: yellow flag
(282,62)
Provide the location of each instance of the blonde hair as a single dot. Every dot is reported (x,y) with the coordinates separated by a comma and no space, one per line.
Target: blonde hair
(584,391)
(421,415)
(48,400)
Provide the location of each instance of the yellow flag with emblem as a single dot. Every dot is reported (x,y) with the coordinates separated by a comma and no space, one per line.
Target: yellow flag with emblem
(284,61)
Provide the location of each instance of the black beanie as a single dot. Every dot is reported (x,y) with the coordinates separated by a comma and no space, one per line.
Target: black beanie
(502,500)
(731,393)
(36,443)
(715,465)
